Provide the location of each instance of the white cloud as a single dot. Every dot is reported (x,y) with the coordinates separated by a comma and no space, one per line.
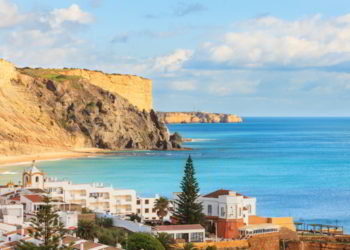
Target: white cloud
(72,14)
(273,42)
(244,87)
(184,85)
(9,14)
(172,62)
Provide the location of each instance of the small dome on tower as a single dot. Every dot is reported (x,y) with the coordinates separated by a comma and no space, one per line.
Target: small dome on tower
(33,169)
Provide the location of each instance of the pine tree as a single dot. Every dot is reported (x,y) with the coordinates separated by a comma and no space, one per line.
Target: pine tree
(46,228)
(188,209)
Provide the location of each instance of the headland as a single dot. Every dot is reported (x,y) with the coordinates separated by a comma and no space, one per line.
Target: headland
(44,111)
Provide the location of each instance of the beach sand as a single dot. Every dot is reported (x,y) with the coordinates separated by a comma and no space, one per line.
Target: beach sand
(6,161)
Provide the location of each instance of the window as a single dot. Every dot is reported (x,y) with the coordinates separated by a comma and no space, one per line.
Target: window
(222,211)
(153,210)
(37,179)
(138,211)
(138,202)
(146,210)
(146,201)
(210,209)
(153,218)
(27,179)
(196,237)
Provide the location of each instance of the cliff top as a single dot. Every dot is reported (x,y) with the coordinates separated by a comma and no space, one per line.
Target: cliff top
(39,72)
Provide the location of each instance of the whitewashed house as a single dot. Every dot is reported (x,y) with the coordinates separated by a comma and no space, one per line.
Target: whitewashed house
(145,209)
(11,214)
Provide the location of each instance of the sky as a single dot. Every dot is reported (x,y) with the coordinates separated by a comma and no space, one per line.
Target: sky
(251,58)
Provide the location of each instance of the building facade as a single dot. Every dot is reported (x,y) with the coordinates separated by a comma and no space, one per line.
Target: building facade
(227,211)
(145,209)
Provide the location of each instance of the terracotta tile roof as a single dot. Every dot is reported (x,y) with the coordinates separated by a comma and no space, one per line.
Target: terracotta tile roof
(220,192)
(87,245)
(179,227)
(70,239)
(16,198)
(217,193)
(37,190)
(34,198)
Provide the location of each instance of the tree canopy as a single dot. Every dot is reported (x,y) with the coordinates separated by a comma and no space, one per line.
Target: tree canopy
(188,209)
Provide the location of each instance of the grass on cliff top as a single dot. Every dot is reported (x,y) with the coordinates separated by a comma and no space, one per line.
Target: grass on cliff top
(53,75)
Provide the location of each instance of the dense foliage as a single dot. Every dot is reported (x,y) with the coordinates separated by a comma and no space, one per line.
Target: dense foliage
(143,241)
(166,240)
(46,227)
(102,230)
(188,209)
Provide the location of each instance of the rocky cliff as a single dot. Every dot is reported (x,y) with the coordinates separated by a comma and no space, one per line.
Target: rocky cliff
(137,90)
(198,117)
(42,110)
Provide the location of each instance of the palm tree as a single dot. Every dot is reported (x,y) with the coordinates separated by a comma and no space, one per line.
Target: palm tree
(86,230)
(161,205)
(166,240)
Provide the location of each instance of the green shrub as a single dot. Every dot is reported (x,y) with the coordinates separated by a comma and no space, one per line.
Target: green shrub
(144,241)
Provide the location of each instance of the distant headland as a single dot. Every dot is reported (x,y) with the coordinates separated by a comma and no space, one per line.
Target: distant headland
(198,117)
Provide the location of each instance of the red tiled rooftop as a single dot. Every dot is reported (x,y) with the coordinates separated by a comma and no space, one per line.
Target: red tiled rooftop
(34,198)
(217,193)
(17,198)
(179,227)
(70,239)
(220,192)
(87,245)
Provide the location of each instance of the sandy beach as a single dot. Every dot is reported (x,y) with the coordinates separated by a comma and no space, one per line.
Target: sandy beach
(6,161)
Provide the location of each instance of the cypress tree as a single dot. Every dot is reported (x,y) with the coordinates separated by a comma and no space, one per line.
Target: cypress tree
(188,209)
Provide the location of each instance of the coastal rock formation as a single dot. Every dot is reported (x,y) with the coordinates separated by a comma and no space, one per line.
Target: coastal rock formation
(137,90)
(44,111)
(198,117)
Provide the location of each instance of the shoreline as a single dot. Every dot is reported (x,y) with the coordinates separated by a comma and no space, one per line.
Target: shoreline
(16,160)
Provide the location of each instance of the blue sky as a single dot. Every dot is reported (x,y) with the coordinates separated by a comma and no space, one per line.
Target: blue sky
(252,58)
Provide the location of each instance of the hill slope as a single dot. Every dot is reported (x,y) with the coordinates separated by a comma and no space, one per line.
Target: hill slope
(44,111)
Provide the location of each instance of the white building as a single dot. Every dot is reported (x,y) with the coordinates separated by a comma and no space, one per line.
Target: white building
(226,204)
(189,233)
(11,214)
(93,196)
(145,209)
(69,219)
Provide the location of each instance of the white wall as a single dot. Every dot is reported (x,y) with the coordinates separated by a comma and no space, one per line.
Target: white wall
(12,214)
(129,225)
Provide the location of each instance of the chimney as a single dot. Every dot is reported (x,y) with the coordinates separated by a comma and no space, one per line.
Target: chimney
(95,240)
(74,234)
(60,243)
(81,245)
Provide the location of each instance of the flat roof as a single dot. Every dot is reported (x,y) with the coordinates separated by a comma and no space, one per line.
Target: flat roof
(260,226)
(179,227)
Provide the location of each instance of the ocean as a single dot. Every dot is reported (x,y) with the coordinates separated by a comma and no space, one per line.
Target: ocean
(295,167)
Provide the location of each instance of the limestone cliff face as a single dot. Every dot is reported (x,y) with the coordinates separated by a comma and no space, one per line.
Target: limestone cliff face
(198,117)
(42,111)
(137,90)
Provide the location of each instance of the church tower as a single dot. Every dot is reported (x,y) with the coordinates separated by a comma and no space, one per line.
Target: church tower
(33,177)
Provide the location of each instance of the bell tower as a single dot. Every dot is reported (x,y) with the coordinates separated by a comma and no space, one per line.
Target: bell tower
(33,177)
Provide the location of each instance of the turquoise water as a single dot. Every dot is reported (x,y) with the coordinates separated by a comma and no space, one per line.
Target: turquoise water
(294,166)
